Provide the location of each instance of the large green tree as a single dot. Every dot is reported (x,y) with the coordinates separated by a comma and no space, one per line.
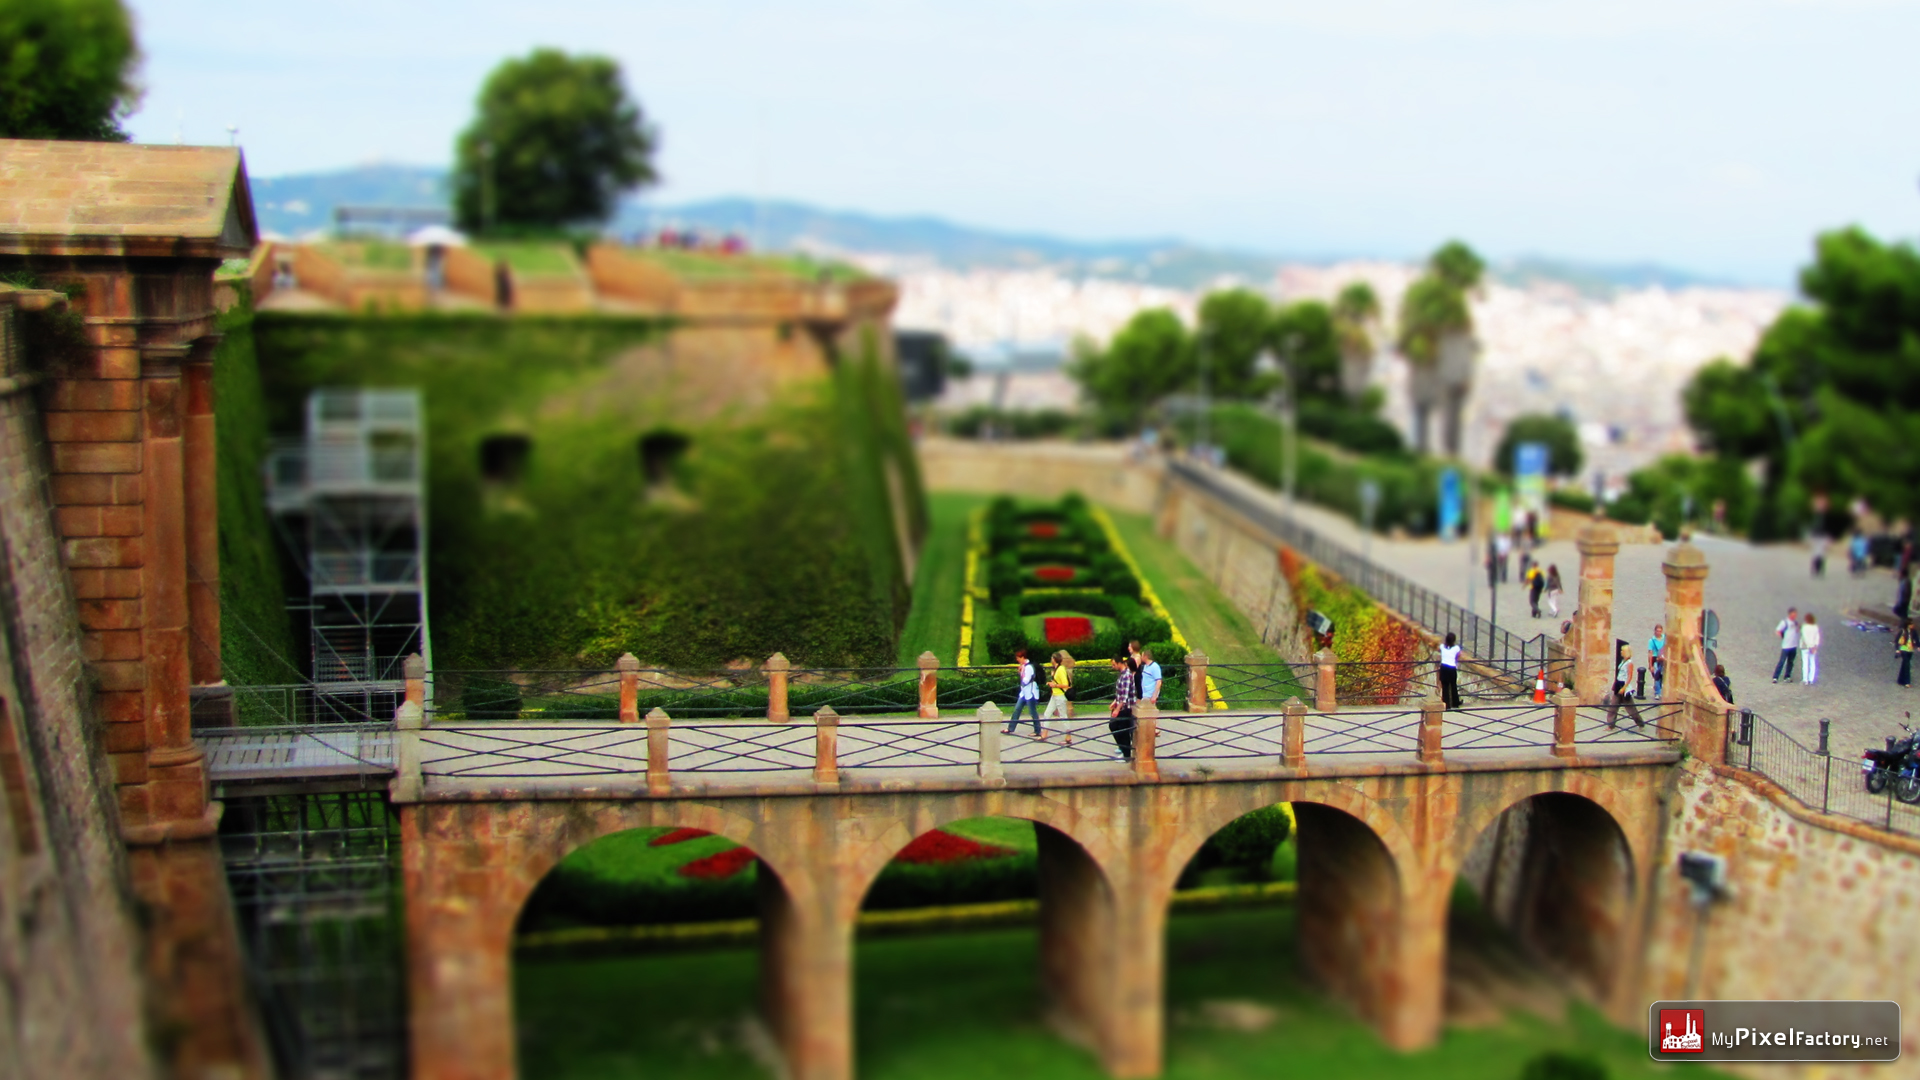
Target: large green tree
(1557,432)
(1151,357)
(1305,337)
(556,142)
(66,69)
(1830,398)
(1235,325)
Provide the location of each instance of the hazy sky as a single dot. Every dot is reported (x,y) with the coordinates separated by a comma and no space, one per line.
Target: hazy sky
(1716,136)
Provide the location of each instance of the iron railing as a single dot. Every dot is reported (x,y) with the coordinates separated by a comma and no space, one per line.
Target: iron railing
(1479,637)
(1833,784)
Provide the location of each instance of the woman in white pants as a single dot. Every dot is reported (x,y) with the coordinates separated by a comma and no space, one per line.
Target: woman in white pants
(1809,651)
(1061,680)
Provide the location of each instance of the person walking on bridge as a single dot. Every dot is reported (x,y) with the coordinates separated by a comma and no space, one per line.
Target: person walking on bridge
(1061,681)
(1622,693)
(1029,697)
(1657,660)
(1448,673)
(1126,691)
(1788,631)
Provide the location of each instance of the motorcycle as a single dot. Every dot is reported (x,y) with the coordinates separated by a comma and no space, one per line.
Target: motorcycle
(1898,764)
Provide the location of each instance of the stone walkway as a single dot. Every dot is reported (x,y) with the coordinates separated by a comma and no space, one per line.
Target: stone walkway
(1749,586)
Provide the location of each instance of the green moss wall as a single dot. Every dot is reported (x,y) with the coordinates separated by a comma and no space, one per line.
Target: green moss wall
(776,532)
(256,639)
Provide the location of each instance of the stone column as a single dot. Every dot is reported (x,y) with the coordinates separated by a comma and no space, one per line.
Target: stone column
(1687,674)
(202,515)
(1197,682)
(1077,942)
(1431,712)
(177,780)
(989,718)
(629,668)
(806,980)
(414,668)
(659,753)
(1593,623)
(1146,731)
(1293,736)
(776,669)
(929,686)
(1565,716)
(826,747)
(1326,695)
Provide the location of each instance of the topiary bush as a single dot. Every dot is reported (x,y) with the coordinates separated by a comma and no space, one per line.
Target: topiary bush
(1562,1065)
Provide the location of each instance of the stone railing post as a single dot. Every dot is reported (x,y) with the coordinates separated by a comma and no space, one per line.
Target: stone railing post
(1593,622)
(1146,730)
(1293,735)
(659,778)
(776,669)
(408,784)
(1566,713)
(1430,713)
(1707,722)
(990,721)
(414,669)
(826,746)
(629,668)
(1197,701)
(1326,695)
(1687,676)
(929,686)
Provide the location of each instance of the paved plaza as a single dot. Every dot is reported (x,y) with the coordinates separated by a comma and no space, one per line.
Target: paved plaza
(1750,587)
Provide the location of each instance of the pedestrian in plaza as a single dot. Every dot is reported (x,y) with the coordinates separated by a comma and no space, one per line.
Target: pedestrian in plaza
(1554,589)
(1857,553)
(1657,660)
(1149,677)
(1788,631)
(1903,597)
(1448,673)
(1903,648)
(1621,696)
(1820,555)
(1125,693)
(1723,683)
(1810,651)
(1060,679)
(1536,584)
(1029,698)
(1502,554)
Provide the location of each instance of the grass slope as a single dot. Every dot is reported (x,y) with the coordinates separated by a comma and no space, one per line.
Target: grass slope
(933,623)
(1208,619)
(965,1005)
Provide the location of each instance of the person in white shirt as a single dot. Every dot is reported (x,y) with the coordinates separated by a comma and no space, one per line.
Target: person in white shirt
(1449,674)
(1809,651)
(1622,695)
(1029,697)
(1789,634)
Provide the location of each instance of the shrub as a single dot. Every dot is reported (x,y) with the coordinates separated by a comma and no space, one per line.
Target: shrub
(1571,498)
(1246,845)
(1561,1065)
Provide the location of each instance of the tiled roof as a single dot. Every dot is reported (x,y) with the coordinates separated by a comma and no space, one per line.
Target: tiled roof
(115,190)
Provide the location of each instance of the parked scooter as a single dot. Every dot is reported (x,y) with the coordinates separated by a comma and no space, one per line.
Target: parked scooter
(1898,764)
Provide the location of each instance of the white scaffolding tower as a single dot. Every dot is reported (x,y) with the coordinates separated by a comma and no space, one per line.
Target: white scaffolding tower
(350,501)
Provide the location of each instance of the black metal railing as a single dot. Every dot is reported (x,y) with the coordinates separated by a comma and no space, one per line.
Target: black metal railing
(1832,784)
(1479,637)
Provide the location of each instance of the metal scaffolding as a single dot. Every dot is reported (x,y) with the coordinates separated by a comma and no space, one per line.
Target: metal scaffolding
(313,878)
(350,500)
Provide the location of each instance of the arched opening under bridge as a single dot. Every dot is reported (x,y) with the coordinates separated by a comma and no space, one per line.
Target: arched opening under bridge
(986,931)
(1540,911)
(644,952)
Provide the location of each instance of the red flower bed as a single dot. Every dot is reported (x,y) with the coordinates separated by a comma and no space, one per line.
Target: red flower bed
(677,836)
(1056,573)
(1069,630)
(724,865)
(1043,530)
(944,847)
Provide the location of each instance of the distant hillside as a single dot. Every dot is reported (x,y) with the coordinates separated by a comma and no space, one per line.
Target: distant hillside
(295,205)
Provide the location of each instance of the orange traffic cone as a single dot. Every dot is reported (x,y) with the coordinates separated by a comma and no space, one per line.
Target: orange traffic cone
(1540,688)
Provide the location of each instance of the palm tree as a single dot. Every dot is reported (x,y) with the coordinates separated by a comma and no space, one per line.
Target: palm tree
(1436,337)
(1356,314)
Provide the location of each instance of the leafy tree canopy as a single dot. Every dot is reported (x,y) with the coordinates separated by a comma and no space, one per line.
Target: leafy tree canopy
(1458,265)
(66,69)
(1305,330)
(1151,357)
(1831,395)
(556,141)
(1355,312)
(1235,325)
(1557,432)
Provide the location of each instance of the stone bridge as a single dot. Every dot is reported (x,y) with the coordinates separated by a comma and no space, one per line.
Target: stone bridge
(1389,803)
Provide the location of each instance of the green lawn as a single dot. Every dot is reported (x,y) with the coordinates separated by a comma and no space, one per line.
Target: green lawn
(1208,619)
(933,623)
(966,1005)
(531,258)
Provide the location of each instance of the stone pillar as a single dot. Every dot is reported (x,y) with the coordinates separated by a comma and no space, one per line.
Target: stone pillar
(826,747)
(1352,920)
(1688,677)
(659,753)
(1565,715)
(990,721)
(776,669)
(929,686)
(629,668)
(1077,942)
(1593,622)
(1430,752)
(806,982)
(408,783)
(1146,730)
(1293,736)
(1326,696)
(202,516)
(1197,700)
(176,776)
(1707,720)
(414,669)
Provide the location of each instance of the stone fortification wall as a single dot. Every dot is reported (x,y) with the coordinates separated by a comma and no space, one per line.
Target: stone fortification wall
(1819,907)
(1242,562)
(1103,472)
(70,998)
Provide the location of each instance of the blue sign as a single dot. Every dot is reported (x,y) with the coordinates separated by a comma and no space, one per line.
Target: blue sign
(1452,503)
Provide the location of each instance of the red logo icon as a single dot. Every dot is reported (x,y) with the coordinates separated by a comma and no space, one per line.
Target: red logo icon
(1683,1031)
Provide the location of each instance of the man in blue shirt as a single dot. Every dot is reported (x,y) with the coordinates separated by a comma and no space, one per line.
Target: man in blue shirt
(1149,678)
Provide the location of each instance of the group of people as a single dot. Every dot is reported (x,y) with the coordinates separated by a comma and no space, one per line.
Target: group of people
(1136,678)
(1799,638)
